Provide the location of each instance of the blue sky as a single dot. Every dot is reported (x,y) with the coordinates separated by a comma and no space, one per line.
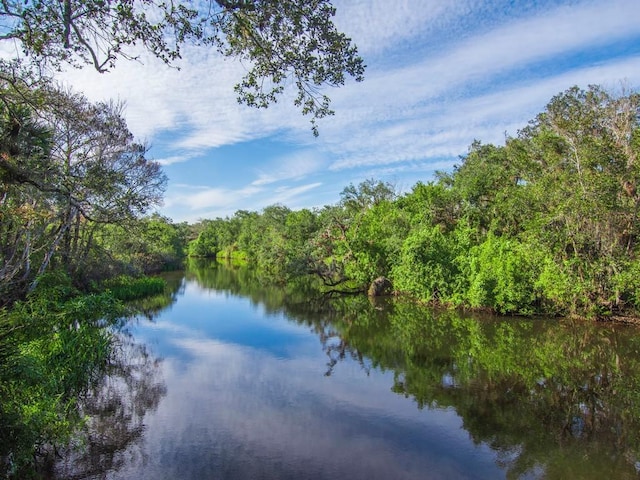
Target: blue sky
(440,73)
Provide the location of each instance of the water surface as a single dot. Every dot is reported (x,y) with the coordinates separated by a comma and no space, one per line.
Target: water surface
(231,379)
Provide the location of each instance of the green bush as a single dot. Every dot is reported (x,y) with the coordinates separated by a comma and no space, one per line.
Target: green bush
(557,288)
(127,288)
(51,348)
(502,276)
(626,285)
(53,344)
(427,268)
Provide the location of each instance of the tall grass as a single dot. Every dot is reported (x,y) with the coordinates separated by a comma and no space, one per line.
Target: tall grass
(127,288)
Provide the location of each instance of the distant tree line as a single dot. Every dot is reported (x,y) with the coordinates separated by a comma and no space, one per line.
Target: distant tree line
(546,224)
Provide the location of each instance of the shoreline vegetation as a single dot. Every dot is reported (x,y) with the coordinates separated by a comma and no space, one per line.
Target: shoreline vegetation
(54,344)
(545,225)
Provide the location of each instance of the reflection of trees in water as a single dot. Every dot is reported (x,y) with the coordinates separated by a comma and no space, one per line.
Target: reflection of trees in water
(115,408)
(552,398)
(243,282)
(338,348)
(150,307)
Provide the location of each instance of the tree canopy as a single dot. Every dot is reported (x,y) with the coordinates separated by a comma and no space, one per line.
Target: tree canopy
(284,41)
(67,166)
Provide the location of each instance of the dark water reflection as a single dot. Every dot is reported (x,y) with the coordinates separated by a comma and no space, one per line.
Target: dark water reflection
(260,382)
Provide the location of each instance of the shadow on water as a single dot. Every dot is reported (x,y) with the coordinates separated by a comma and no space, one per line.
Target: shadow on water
(552,398)
(115,406)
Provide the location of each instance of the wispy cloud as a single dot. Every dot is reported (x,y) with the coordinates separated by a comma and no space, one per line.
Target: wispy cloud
(166,161)
(198,100)
(440,74)
(378,27)
(294,166)
(196,202)
(285,194)
(446,128)
(210,198)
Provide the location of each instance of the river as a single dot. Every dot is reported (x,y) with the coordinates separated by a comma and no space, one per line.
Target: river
(231,379)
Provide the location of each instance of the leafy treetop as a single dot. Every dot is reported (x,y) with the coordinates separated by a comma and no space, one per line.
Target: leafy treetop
(284,41)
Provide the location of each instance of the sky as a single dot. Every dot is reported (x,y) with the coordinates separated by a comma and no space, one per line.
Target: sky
(440,74)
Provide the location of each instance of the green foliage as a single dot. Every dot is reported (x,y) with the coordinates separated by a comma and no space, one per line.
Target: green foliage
(427,267)
(206,245)
(431,204)
(367,194)
(54,345)
(146,246)
(626,284)
(125,288)
(375,240)
(69,171)
(559,290)
(285,42)
(68,167)
(546,224)
(216,237)
(502,276)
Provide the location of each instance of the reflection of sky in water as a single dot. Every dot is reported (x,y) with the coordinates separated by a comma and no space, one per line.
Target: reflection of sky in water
(203,313)
(248,399)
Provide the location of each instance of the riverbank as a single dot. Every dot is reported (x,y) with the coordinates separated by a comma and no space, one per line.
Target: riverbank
(53,345)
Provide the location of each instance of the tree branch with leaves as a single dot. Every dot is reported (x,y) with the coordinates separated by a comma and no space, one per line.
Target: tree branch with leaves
(286,43)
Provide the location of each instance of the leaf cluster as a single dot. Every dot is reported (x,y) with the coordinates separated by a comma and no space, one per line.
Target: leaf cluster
(285,42)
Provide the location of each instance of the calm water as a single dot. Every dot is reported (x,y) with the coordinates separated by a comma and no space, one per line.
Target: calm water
(228,379)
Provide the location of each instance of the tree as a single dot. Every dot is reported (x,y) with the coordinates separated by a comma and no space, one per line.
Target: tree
(66,167)
(426,267)
(433,203)
(300,227)
(355,241)
(149,245)
(24,143)
(366,195)
(284,41)
(586,147)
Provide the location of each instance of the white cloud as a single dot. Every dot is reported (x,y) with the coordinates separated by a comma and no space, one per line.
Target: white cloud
(197,99)
(166,161)
(446,128)
(199,106)
(188,186)
(377,26)
(210,198)
(409,167)
(285,194)
(427,94)
(196,202)
(294,166)
(562,30)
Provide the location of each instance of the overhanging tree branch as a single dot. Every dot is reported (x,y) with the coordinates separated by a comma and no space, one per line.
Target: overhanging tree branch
(289,43)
